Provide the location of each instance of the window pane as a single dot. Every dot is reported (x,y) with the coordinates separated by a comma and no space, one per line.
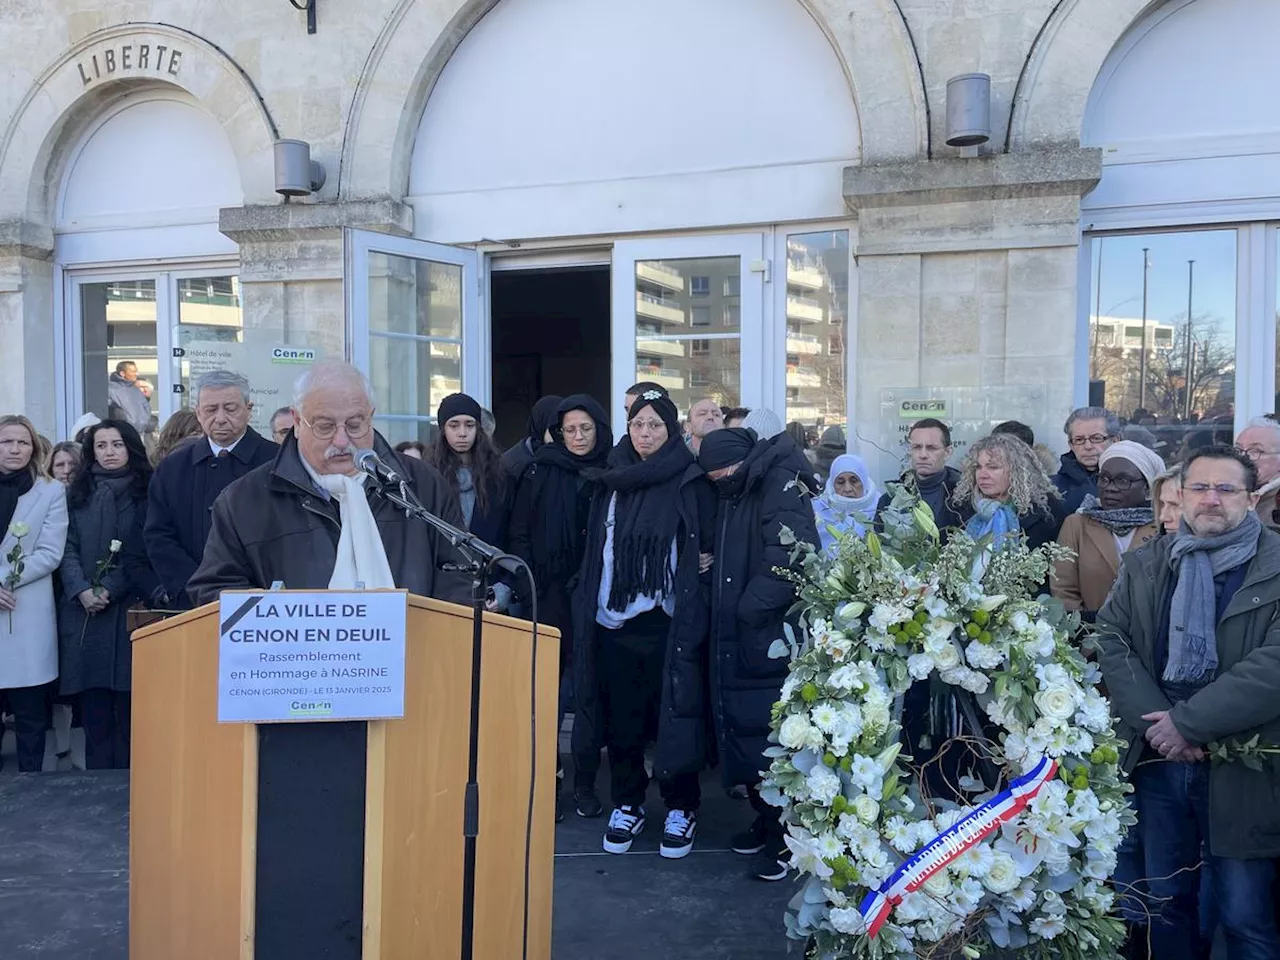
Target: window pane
(671,348)
(414,296)
(817,301)
(411,377)
(118,324)
(209,315)
(1170,376)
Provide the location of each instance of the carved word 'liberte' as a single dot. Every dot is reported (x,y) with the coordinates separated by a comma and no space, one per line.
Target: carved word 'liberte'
(132,58)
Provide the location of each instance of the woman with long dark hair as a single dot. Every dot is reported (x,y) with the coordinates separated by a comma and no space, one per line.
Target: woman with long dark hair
(640,632)
(549,532)
(104,569)
(467,458)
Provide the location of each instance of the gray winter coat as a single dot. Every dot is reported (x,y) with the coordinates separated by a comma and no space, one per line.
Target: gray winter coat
(127,402)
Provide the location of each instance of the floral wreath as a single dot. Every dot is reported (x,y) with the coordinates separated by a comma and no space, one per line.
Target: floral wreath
(886,871)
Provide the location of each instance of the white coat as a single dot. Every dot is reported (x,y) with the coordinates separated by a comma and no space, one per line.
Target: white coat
(29,651)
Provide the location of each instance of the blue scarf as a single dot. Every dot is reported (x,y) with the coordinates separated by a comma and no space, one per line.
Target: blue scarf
(992,518)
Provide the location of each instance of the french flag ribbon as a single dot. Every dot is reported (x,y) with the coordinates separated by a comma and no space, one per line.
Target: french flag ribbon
(965,833)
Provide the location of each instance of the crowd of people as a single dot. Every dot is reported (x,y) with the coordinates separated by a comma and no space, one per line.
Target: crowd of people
(659,554)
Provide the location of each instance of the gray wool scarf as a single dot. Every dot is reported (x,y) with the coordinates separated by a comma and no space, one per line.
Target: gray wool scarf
(1193,615)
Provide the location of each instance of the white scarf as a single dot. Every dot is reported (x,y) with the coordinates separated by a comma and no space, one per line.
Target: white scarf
(362,556)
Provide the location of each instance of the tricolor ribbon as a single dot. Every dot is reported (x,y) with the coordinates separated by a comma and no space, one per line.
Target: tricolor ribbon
(962,835)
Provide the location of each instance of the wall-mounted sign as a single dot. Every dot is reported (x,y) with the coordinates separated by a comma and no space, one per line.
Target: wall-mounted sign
(970,412)
(270,366)
(129,60)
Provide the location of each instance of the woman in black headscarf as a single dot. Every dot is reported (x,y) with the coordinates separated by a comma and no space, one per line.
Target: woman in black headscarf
(517,459)
(640,616)
(548,531)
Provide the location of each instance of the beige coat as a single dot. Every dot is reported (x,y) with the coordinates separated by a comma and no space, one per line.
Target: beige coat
(30,648)
(1084,582)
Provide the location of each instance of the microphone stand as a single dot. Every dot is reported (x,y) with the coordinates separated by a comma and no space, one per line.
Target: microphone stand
(479,558)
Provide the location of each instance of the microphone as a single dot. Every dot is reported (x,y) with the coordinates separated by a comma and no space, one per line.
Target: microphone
(376,467)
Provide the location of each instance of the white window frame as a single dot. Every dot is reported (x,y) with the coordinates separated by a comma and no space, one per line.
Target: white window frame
(474,342)
(69,332)
(1256,310)
(750,249)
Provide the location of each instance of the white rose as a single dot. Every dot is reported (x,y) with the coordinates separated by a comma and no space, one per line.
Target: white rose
(1058,703)
(1002,874)
(794,732)
(866,809)
(947,657)
(114,546)
(939,885)
(19,529)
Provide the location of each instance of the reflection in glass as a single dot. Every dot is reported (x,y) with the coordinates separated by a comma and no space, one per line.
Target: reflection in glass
(1162,336)
(415,340)
(414,297)
(208,314)
(817,303)
(118,325)
(692,349)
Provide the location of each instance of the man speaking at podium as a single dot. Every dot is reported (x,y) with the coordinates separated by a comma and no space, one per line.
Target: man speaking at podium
(309,519)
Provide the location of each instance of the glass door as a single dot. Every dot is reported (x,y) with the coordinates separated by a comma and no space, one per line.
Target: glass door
(134,334)
(410,307)
(688,314)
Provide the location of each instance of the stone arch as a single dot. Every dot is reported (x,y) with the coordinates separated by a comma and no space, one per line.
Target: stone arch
(36,143)
(868,36)
(1053,91)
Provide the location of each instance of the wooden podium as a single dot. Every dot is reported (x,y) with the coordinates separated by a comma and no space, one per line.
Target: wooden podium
(301,841)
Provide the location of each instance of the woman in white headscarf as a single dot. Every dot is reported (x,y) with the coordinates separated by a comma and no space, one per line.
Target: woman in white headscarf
(849,503)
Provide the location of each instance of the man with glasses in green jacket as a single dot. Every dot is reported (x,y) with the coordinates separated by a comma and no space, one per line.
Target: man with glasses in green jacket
(1190,653)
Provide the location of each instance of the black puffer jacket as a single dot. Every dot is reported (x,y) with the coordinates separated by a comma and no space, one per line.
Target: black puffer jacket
(1075,483)
(684,716)
(749,601)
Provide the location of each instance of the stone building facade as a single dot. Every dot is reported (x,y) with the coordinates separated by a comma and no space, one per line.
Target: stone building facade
(509,181)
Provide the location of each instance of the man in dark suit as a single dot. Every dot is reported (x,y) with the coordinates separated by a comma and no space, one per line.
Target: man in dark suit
(188,481)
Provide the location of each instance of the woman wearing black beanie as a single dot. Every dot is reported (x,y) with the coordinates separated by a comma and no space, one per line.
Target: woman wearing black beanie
(548,531)
(641,617)
(468,460)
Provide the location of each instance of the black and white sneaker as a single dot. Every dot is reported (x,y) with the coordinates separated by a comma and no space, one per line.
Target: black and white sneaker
(677,833)
(752,840)
(768,867)
(587,803)
(625,824)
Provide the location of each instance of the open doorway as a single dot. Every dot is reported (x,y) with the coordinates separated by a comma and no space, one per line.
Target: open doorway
(550,335)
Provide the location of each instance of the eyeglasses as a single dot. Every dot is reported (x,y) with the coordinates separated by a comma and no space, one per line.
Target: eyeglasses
(1221,489)
(1123,484)
(640,426)
(584,431)
(1255,453)
(325,429)
(1095,440)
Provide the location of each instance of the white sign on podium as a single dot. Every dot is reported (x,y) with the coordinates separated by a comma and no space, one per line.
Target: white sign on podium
(311,656)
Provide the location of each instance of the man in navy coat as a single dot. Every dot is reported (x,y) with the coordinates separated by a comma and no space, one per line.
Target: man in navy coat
(187,482)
